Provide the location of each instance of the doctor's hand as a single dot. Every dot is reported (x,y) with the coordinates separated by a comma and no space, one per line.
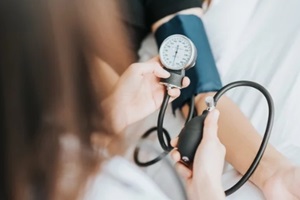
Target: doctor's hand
(137,94)
(203,178)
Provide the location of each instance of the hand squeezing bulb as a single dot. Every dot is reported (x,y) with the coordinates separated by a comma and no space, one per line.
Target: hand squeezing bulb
(191,135)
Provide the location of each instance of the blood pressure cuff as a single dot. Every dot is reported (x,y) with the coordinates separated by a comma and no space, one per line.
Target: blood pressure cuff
(204,75)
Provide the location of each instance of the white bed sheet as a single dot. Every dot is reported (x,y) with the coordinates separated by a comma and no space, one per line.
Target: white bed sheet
(256,40)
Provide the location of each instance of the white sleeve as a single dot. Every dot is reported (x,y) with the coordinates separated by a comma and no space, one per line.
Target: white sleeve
(120,179)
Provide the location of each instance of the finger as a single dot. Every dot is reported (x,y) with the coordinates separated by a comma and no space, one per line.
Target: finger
(174,92)
(175,155)
(174,142)
(149,67)
(185,82)
(183,171)
(157,69)
(154,59)
(211,124)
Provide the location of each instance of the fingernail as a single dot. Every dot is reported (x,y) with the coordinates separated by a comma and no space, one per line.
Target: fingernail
(215,114)
(167,73)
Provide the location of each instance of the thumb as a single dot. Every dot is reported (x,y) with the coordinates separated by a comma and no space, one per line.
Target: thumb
(155,68)
(211,124)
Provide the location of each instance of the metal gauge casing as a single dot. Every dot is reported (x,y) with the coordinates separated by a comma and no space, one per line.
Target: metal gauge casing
(177,52)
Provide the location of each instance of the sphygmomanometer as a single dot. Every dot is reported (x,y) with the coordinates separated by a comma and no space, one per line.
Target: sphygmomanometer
(178,54)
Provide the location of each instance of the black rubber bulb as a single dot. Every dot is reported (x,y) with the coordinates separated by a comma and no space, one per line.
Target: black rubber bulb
(190,138)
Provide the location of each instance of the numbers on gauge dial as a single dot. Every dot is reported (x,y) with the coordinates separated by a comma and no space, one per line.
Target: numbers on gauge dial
(176,53)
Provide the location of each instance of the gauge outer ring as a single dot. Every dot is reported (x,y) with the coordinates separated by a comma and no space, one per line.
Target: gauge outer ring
(192,59)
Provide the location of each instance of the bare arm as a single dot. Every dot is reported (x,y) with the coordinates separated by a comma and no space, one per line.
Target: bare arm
(242,141)
(236,132)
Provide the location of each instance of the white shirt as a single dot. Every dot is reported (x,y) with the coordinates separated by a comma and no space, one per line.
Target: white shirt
(120,179)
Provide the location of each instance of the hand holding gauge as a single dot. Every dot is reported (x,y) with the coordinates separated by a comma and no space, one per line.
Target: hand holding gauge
(177,54)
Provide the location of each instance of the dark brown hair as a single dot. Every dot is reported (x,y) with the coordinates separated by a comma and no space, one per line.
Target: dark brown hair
(48,105)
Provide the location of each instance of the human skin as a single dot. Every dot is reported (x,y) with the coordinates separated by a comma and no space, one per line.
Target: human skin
(140,84)
(137,94)
(203,180)
(242,142)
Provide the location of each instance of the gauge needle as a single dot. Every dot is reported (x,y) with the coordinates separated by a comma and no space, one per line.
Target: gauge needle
(175,54)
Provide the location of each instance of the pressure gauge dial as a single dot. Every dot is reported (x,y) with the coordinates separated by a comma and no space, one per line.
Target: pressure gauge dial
(177,52)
